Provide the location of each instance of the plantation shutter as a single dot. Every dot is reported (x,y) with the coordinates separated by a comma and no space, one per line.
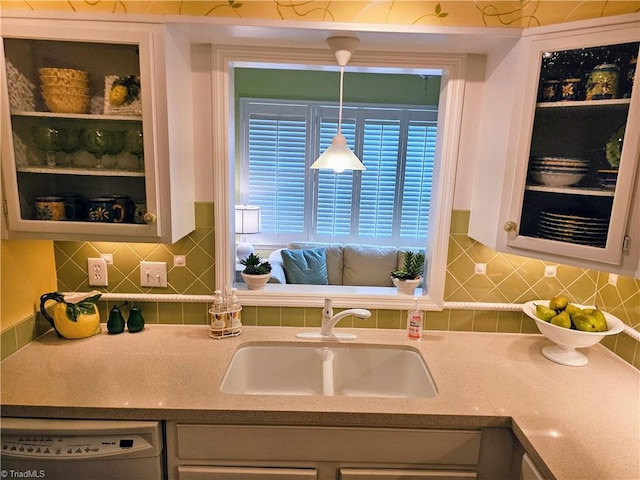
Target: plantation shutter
(380,150)
(276,168)
(335,191)
(386,204)
(418,179)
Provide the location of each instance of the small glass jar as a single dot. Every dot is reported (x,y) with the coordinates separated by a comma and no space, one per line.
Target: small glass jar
(603,82)
(571,89)
(550,90)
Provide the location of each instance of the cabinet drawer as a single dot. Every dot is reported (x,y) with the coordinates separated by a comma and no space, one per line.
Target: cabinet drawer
(245,473)
(403,474)
(420,446)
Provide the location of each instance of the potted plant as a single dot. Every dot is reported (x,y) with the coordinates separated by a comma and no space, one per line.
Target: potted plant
(410,275)
(256,272)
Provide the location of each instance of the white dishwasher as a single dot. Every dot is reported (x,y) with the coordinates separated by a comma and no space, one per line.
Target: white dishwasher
(81,449)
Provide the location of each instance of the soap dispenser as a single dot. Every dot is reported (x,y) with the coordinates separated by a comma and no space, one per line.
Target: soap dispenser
(235,310)
(217,315)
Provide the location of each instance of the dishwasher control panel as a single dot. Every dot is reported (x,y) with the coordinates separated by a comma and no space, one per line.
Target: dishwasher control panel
(48,445)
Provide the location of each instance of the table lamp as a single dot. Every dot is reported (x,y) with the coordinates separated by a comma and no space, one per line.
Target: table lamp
(247,222)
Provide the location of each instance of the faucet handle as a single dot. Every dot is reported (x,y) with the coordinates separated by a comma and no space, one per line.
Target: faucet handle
(328,310)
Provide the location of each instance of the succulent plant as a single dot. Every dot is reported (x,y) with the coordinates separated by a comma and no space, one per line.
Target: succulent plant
(255,266)
(412,267)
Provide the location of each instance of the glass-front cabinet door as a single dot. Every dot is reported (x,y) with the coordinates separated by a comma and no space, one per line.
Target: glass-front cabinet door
(84,142)
(580,147)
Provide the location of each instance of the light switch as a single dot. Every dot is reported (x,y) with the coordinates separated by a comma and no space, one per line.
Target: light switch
(153,274)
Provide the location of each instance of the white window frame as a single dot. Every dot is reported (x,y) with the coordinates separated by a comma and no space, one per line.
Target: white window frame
(452,67)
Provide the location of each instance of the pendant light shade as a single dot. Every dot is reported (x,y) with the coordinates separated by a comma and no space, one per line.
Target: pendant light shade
(338,157)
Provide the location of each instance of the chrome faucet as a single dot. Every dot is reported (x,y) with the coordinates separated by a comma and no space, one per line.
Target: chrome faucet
(329,320)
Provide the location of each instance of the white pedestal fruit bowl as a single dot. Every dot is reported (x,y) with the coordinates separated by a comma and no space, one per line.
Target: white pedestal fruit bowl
(566,340)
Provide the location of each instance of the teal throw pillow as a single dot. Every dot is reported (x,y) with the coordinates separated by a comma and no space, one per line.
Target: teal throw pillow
(305,266)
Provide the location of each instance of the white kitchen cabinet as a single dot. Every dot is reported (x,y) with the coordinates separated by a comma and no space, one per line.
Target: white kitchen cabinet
(159,177)
(246,473)
(403,474)
(196,451)
(529,470)
(553,181)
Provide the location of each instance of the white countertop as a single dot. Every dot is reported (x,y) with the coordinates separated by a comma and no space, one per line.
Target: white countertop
(577,422)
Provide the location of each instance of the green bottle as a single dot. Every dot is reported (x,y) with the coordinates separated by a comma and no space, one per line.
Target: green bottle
(136,320)
(115,324)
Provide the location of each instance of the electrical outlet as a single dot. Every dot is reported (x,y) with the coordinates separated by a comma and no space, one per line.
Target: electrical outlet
(153,274)
(97,269)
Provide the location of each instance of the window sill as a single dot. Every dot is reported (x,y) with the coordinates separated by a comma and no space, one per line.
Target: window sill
(342,296)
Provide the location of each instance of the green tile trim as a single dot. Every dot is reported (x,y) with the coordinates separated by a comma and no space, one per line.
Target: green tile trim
(170,313)
(22,333)
(8,342)
(187,313)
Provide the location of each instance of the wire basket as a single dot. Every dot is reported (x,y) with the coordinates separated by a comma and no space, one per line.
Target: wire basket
(225,322)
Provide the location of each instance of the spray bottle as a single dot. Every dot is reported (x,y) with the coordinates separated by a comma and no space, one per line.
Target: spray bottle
(415,322)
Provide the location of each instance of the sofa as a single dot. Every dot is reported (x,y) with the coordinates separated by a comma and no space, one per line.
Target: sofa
(336,264)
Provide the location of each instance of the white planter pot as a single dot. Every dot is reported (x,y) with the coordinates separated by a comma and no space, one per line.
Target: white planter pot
(255,282)
(406,287)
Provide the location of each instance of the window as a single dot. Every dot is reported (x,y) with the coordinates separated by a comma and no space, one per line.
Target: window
(225,62)
(386,204)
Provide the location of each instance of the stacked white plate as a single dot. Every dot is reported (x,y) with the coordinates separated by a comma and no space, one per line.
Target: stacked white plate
(581,230)
(558,171)
(607,178)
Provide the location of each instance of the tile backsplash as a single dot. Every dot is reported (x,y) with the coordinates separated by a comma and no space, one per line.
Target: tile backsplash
(508,279)
(196,278)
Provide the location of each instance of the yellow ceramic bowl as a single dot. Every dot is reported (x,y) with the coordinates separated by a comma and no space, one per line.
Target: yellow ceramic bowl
(66,89)
(63,82)
(66,103)
(64,73)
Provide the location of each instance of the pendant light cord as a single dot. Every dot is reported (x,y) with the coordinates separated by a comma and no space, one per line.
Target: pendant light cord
(340,109)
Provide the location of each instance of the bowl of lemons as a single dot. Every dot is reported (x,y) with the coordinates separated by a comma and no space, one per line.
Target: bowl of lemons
(570,326)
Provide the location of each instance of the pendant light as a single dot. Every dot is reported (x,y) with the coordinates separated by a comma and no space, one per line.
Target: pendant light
(338,157)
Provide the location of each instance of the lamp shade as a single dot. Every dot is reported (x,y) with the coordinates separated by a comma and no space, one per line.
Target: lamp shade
(338,157)
(247,219)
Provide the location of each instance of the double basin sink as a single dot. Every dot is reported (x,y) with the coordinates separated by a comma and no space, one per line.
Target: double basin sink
(328,369)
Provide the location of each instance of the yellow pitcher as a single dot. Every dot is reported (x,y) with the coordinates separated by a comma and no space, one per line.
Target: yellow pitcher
(74,316)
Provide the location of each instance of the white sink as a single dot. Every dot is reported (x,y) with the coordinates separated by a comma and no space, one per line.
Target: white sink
(319,369)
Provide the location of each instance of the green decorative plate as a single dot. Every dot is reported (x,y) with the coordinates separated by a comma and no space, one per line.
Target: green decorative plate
(613,148)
